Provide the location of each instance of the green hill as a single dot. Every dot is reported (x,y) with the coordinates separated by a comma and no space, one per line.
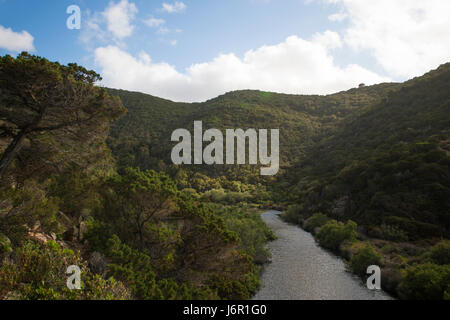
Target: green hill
(388,164)
(142,137)
(375,154)
(366,170)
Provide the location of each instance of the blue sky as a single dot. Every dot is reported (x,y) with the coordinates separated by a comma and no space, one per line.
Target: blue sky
(194,50)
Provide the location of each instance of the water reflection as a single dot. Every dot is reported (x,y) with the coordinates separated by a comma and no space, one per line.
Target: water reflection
(301,270)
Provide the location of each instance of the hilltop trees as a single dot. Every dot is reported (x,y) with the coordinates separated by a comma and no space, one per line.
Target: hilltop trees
(58,181)
(55,110)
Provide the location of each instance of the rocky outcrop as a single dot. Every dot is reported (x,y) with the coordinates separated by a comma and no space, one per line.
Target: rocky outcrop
(76,233)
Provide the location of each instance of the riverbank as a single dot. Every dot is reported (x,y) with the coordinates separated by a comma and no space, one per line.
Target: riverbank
(301,270)
(409,269)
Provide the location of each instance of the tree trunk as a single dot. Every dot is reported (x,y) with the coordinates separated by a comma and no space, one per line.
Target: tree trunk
(11,152)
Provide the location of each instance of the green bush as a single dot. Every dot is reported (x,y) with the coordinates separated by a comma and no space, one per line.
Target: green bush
(440,253)
(388,232)
(23,207)
(251,229)
(39,273)
(316,221)
(293,214)
(363,258)
(425,282)
(333,233)
(5,245)
(135,270)
(236,290)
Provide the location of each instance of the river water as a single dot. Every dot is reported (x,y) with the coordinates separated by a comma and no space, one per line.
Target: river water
(301,270)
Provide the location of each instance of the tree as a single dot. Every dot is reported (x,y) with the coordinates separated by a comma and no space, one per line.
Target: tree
(425,282)
(46,101)
(139,200)
(364,258)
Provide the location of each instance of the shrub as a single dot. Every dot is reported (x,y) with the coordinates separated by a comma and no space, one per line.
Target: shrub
(425,282)
(363,258)
(388,232)
(440,253)
(316,221)
(135,270)
(23,207)
(333,233)
(390,279)
(39,273)
(5,245)
(293,214)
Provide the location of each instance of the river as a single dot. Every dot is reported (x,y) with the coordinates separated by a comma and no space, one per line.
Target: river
(301,270)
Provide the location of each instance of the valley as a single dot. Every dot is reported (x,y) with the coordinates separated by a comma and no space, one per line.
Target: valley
(364,171)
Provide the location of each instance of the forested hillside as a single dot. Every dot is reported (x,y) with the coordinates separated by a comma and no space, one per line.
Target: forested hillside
(388,169)
(87,179)
(393,148)
(142,137)
(133,233)
(376,155)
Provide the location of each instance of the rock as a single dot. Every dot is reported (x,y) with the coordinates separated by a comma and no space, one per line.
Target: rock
(36,226)
(82,230)
(261,258)
(39,237)
(12,296)
(64,222)
(64,218)
(97,263)
(69,234)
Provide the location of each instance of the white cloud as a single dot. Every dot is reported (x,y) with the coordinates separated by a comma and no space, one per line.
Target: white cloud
(406,37)
(295,66)
(174,8)
(154,22)
(328,39)
(337,17)
(15,41)
(119,17)
(92,30)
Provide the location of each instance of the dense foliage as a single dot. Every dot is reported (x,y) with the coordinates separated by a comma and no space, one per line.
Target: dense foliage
(39,273)
(365,170)
(139,236)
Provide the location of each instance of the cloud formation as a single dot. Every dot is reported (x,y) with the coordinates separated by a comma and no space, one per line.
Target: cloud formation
(293,66)
(154,22)
(119,17)
(173,8)
(15,41)
(406,37)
